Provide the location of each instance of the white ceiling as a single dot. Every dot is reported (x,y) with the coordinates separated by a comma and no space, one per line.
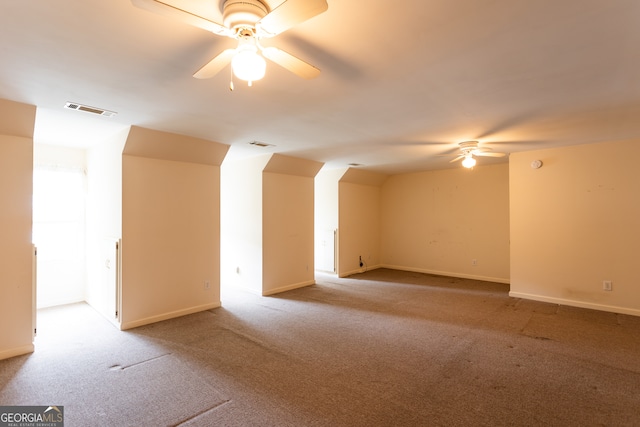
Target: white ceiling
(401,84)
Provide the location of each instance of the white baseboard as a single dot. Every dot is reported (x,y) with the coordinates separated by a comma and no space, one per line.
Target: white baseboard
(449,274)
(18,351)
(166,316)
(359,270)
(64,301)
(574,303)
(288,288)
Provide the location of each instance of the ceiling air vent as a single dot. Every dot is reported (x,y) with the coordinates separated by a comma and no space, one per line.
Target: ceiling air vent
(261,144)
(87,109)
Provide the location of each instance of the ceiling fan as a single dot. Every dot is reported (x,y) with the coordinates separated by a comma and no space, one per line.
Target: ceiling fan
(469,149)
(248,22)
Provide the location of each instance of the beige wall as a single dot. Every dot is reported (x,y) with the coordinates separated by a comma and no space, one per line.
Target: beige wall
(104,220)
(440,221)
(326,218)
(241,223)
(267,223)
(359,229)
(574,223)
(16,187)
(170,226)
(287,248)
(288,233)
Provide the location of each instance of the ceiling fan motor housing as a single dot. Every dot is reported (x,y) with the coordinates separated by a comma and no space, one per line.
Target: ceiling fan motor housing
(468,147)
(238,14)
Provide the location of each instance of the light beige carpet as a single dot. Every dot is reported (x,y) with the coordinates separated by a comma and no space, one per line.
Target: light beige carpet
(377,349)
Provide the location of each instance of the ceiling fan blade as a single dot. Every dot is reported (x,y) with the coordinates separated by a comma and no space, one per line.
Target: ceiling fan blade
(460,157)
(289,14)
(185,16)
(214,66)
(488,154)
(295,65)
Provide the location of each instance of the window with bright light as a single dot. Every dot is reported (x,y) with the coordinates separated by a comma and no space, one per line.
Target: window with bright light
(59,234)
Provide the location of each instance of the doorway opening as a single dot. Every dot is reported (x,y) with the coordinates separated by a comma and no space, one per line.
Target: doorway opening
(59,195)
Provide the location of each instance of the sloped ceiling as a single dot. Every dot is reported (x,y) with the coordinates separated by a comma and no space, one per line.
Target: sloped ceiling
(402,83)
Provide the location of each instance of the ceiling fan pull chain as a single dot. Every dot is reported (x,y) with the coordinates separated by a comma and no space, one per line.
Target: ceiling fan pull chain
(231,80)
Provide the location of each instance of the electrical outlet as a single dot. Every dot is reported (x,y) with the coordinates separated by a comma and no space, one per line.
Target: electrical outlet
(474,262)
(606,285)
(360,260)
(207,285)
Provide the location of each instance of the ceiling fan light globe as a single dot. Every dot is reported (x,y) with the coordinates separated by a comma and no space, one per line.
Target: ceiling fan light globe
(469,162)
(248,65)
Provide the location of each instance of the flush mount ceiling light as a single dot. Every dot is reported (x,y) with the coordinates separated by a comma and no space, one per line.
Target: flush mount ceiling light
(469,161)
(247,64)
(248,22)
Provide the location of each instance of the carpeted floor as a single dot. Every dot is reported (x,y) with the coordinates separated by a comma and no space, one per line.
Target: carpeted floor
(380,348)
